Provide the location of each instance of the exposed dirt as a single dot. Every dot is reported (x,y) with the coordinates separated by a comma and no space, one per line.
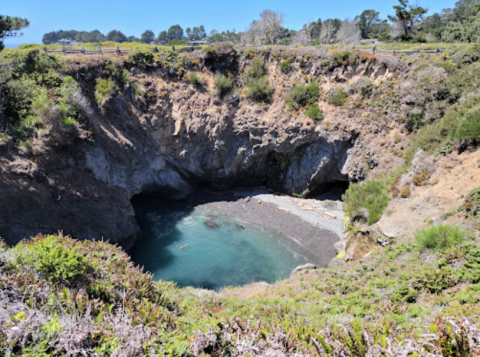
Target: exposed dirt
(454,177)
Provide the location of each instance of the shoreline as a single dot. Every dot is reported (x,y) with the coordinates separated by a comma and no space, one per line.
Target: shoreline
(314,224)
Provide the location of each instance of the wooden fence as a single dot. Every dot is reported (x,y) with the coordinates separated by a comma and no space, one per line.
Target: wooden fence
(108,50)
(99,51)
(376,50)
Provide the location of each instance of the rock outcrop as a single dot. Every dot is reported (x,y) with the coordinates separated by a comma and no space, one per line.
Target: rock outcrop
(173,139)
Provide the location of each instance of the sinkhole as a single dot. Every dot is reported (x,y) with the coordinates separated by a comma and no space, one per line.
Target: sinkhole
(192,244)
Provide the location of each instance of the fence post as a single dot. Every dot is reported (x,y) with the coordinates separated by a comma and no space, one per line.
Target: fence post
(373,49)
(394,51)
(83,50)
(173,48)
(438,50)
(63,49)
(45,49)
(99,50)
(418,50)
(118,51)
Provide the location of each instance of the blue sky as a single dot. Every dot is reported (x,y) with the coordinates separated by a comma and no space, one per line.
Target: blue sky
(134,17)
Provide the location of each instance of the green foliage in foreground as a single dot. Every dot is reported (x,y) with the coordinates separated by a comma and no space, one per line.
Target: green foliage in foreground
(58,286)
(366,199)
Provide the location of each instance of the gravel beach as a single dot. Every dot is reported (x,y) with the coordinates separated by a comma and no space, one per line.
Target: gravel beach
(314,224)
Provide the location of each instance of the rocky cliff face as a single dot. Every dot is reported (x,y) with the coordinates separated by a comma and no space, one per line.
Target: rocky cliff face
(174,137)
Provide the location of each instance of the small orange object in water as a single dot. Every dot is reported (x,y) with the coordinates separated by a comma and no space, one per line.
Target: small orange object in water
(208,218)
(184,246)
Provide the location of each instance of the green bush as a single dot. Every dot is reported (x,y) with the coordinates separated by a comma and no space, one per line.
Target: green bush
(195,80)
(285,66)
(337,97)
(223,84)
(471,270)
(342,56)
(439,237)
(469,127)
(314,112)
(54,261)
(260,90)
(141,57)
(370,196)
(19,97)
(103,91)
(257,70)
(303,95)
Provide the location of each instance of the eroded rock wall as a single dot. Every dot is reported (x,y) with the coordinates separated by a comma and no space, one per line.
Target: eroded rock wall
(175,137)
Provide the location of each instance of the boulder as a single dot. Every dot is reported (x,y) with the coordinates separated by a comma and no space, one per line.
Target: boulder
(304,267)
(335,262)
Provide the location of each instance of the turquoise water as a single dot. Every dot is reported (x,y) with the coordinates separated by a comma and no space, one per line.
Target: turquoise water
(231,253)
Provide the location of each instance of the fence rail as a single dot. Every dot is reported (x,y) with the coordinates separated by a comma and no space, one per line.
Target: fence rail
(117,50)
(375,50)
(99,50)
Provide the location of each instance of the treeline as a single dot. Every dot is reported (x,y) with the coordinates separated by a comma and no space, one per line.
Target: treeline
(408,23)
(87,36)
(174,34)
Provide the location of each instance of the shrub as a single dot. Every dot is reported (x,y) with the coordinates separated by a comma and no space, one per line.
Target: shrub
(342,56)
(68,122)
(196,81)
(258,85)
(439,237)
(285,66)
(54,261)
(362,86)
(103,91)
(223,84)
(137,90)
(303,95)
(469,127)
(314,112)
(260,90)
(370,196)
(471,270)
(19,97)
(257,69)
(421,179)
(405,192)
(141,57)
(337,97)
